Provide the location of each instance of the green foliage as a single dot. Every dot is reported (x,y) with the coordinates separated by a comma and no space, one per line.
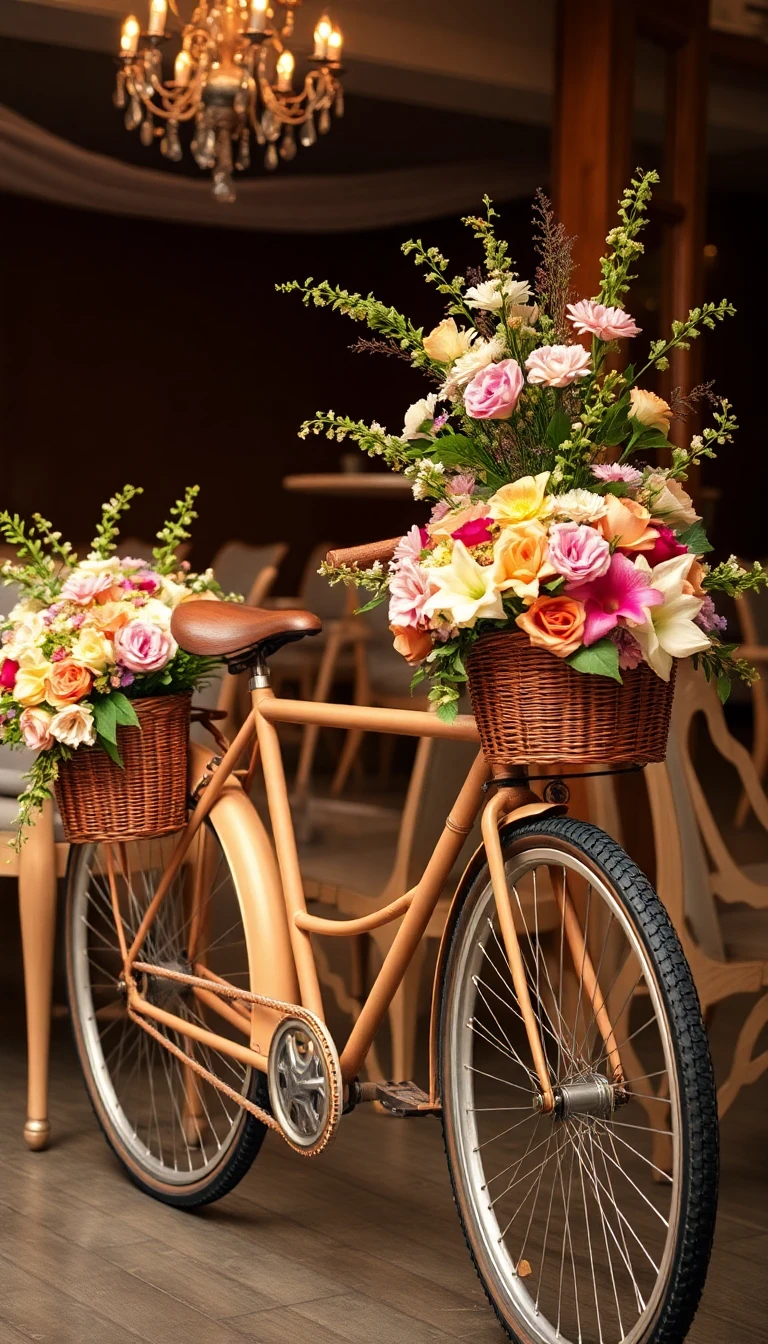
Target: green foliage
(371,439)
(497,260)
(39,779)
(719,665)
(175,531)
(110,712)
(600,659)
(435,273)
(687,330)
(108,530)
(377,316)
(696,539)
(732,578)
(623,241)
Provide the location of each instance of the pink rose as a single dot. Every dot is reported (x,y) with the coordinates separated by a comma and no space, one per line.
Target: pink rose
(8,674)
(557,365)
(85,588)
(143,647)
(35,725)
(493,392)
(577,552)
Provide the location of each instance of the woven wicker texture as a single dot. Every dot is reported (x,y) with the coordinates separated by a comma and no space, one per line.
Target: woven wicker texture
(532,707)
(99,801)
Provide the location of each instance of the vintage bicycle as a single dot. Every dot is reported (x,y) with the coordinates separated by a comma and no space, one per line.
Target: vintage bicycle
(568,1060)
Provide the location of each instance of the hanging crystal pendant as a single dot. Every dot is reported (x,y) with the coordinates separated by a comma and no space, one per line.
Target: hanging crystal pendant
(288,145)
(205,146)
(338,107)
(133,114)
(324,122)
(258,132)
(147,132)
(308,134)
(223,189)
(118,97)
(270,124)
(243,159)
(270,158)
(170,145)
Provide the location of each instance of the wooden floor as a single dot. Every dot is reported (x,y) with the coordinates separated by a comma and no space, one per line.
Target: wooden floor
(362,1244)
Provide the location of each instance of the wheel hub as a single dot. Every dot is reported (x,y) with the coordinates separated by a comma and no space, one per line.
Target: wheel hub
(591,1094)
(160,990)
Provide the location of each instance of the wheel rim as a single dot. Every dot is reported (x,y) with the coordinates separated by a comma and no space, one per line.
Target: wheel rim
(572,1221)
(172,1124)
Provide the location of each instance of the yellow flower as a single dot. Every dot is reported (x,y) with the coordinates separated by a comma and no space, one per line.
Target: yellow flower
(93,650)
(652,411)
(521,501)
(445,342)
(29,687)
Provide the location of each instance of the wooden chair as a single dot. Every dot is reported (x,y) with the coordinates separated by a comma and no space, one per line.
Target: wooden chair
(753,618)
(361,869)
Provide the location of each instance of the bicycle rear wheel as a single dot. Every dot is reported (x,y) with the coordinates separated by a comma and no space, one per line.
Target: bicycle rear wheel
(178,1136)
(594,1224)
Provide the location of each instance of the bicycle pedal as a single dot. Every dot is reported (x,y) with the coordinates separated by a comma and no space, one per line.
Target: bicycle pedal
(405,1099)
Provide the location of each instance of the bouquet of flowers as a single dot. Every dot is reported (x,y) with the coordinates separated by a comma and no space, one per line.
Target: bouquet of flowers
(551,513)
(88,637)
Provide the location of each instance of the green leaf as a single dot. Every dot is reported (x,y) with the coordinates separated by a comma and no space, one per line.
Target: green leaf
(615,427)
(696,539)
(105,718)
(617,488)
(648,438)
(124,711)
(559,428)
(723,687)
(600,659)
(447,713)
(111,749)
(375,601)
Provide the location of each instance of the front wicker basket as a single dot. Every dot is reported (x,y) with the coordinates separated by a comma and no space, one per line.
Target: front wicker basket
(532,707)
(98,801)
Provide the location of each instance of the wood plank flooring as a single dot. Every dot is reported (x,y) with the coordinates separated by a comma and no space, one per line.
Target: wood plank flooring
(363,1244)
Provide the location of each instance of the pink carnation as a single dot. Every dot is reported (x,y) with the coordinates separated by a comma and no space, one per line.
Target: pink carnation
(608,324)
(616,471)
(409,588)
(463,484)
(493,392)
(143,647)
(577,552)
(411,545)
(557,365)
(84,588)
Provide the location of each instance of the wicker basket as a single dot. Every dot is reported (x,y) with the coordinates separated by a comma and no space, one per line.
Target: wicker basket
(532,707)
(99,801)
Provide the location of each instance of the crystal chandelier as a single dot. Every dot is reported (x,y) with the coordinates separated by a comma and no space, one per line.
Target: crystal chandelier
(233,77)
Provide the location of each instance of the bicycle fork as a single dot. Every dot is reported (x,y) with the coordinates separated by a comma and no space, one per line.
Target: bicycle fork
(520,801)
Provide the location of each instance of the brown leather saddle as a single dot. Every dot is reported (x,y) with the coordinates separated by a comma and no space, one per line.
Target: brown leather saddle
(238,634)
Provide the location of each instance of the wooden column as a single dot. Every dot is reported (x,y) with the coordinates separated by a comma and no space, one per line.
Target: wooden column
(593,124)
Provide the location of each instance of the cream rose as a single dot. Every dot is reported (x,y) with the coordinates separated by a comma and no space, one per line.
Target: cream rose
(74,726)
(93,650)
(29,687)
(669,501)
(35,725)
(445,342)
(650,410)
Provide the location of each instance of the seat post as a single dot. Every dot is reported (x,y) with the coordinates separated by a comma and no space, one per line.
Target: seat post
(258,673)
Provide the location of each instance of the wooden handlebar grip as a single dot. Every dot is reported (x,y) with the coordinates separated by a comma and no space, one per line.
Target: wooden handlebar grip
(362,557)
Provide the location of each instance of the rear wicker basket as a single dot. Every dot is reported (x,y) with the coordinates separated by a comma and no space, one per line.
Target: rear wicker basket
(99,801)
(532,707)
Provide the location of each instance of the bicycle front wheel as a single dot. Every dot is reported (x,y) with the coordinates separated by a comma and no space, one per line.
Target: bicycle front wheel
(592,1224)
(180,1137)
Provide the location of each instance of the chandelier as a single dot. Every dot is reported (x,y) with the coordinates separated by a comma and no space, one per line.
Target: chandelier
(232,77)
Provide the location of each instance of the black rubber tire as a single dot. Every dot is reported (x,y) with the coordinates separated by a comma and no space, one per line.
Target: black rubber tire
(700,1136)
(243,1149)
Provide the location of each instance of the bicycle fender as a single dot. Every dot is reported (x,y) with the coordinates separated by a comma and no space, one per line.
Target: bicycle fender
(476,862)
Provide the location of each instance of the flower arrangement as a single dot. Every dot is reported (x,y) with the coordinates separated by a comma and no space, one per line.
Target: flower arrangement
(550,514)
(87,637)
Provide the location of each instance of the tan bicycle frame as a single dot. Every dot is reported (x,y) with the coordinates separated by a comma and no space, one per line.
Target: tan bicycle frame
(277,924)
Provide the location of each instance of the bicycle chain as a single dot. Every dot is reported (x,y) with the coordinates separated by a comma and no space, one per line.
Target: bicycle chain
(277,1005)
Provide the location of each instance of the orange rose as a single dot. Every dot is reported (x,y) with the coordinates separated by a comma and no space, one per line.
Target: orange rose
(520,559)
(692,584)
(109,618)
(626,522)
(67,682)
(413,645)
(554,623)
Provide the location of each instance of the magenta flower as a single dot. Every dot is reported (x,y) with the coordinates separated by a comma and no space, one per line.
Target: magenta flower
(623,592)
(475,532)
(665,547)
(608,324)
(8,674)
(614,471)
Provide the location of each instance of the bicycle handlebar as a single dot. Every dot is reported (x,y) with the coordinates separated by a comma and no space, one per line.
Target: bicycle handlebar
(362,557)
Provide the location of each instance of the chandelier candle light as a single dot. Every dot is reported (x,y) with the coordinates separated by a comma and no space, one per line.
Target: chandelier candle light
(233,77)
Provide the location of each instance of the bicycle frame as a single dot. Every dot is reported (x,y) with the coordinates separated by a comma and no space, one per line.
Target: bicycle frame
(277,924)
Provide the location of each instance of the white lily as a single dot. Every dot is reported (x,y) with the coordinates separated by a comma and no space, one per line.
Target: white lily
(466,591)
(669,630)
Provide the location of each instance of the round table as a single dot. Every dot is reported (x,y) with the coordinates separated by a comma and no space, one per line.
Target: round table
(350,484)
